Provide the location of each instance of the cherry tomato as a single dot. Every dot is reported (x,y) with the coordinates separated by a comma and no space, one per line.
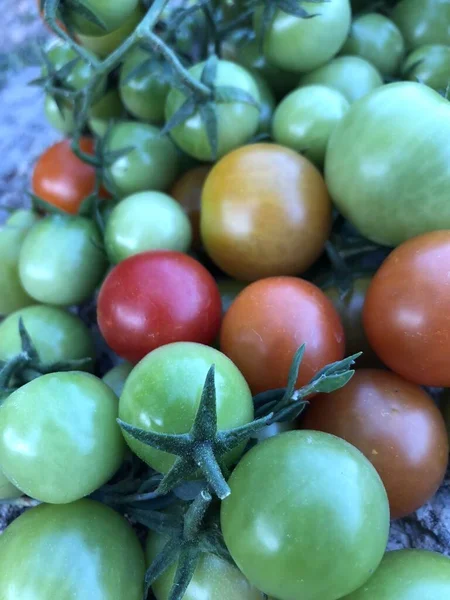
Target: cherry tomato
(265,211)
(155,298)
(270,320)
(115,378)
(406,310)
(188,192)
(110,15)
(430,65)
(423,21)
(396,425)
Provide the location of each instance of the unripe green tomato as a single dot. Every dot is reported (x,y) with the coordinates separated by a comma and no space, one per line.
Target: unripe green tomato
(150,164)
(146,221)
(305,119)
(378,40)
(111,13)
(429,65)
(115,378)
(144,95)
(8,491)
(57,335)
(12,234)
(108,108)
(354,77)
(267,103)
(237,121)
(61,261)
(423,22)
(61,119)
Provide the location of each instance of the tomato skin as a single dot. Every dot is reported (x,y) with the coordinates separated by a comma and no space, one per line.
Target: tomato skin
(105,557)
(305,119)
(163,391)
(378,40)
(187,190)
(388,419)
(237,121)
(146,221)
(282,204)
(353,76)
(8,491)
(301,45)
(309,521)
(111,13)
(408,575)
(115,378)
(423,21)
(411,195)
(57,335)
(59,440)
(140,307)
(429,65)
(270,320)
(407,331)
(152,164)
(60,260)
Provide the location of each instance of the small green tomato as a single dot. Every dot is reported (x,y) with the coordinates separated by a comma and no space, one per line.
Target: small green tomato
(115,378)
(429,65)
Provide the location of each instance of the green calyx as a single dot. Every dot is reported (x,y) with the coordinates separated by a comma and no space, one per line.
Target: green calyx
(200,452)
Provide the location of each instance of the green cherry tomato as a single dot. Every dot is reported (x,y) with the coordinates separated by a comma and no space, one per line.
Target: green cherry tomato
(408,575)
(57,335)
(59,117)
(354,77)
(267,103)
(115,378)
(110,15)
(214,578)
(59,439)
(429,65)
(423,22)
(378,40)
(307,516)
(8,491)
(83,550)
(12,234)
(392,192)
(144,93)
(302,44)
(146,221)
(163,391)
(237,121)
(151,162)
(61,261)
(305,119)
(108,108)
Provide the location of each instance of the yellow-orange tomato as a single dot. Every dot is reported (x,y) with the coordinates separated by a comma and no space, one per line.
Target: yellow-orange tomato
(265,211)
(188,192)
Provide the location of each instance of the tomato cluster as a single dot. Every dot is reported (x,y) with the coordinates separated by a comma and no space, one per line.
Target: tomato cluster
(246,193)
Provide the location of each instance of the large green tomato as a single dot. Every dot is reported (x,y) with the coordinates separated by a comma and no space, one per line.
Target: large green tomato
(115,378)
(144,94)
(151,162)
(214,578)
(429,65)
(163,391)
(110,13)
(61,261)
(81,551)
(377,39)
(146,221)
(408,575)
(305,119)
(423,21)
(57,335)
(297,44)
(8,491)
(386,176)
(12,234)
(237,121)
(307,516)
(353,76)
(59,439)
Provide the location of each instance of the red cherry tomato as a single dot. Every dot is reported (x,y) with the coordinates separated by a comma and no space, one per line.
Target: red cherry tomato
(270,320)
(155,298)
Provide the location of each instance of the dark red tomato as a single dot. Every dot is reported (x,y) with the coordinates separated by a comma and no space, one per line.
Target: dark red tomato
(270,320)
(62,179)
(155,298)
(407,308)
(396,425)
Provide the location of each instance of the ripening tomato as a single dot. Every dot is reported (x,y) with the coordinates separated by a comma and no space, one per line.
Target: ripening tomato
(396,425)
(406,310)
(270,320)
(265,211)
(155,298)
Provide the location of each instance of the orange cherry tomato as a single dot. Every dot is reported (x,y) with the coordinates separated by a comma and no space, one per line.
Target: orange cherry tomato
(267,323)
(265,211)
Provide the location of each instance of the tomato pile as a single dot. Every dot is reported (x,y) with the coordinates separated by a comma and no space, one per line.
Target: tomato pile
(249,209)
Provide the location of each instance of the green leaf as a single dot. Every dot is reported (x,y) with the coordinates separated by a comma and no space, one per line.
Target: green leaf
(159,522)
(209,118)
(162,562)
(83,11)
(209,72)
(186,110)
(331,383)
(293,372)
(293,7)
(166,442)
(267,397)
(226,94)
(140,70)
(205,423)
(187,564)
(27,344)
(63,73)
(269,11)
